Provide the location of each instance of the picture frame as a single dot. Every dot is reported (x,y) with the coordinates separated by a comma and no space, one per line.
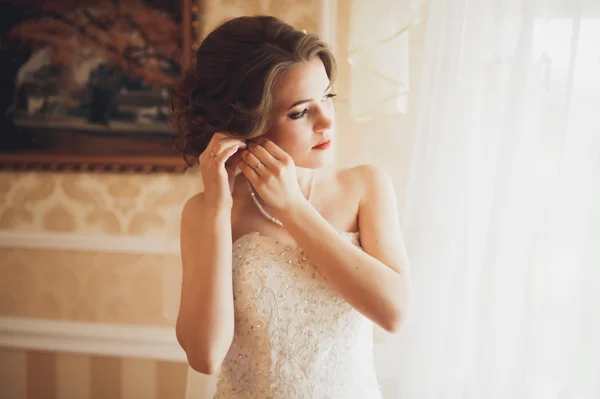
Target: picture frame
(86,86)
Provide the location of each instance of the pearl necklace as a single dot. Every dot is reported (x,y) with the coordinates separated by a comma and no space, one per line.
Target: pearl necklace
(264,212)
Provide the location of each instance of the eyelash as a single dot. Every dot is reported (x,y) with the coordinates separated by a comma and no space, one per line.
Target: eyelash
(300,114)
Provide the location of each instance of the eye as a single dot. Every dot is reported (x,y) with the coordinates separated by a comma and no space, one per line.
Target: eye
(330,96)
(299,115)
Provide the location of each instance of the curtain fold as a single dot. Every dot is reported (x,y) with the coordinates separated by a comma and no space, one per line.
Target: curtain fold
(502,207)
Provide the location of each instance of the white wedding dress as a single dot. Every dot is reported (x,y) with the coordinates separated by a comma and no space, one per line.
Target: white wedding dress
(295,336)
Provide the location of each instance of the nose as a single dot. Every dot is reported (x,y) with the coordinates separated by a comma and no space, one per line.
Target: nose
(324,120)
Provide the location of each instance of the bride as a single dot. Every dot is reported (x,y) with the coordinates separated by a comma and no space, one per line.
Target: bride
(288,264)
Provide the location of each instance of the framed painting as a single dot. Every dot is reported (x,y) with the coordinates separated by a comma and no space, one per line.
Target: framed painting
(84,84)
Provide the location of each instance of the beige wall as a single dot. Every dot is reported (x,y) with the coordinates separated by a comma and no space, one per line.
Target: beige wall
(48,375)
(124,288)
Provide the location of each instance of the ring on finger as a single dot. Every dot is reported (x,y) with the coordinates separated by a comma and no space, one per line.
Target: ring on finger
(252,160)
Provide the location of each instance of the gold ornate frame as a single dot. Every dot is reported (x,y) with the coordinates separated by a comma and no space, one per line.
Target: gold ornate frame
(109,153)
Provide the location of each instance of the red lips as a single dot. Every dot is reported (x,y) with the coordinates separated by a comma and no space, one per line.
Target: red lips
(323,144)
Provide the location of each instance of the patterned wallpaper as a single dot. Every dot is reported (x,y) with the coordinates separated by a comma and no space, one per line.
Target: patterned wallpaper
(93,203)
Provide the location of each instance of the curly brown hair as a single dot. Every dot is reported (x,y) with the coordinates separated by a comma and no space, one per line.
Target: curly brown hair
(229,87)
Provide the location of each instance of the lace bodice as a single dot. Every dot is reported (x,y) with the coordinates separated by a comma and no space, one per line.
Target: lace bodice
(295,337)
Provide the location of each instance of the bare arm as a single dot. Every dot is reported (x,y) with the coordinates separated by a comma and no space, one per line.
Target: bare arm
(205,323)
(376,282)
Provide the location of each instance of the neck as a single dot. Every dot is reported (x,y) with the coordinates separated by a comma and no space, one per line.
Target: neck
(305,176)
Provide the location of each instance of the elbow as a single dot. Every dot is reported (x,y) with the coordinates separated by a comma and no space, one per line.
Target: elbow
(395,318)
(200,357)
(397,314)
(203,360)
(203,364)
(393,323)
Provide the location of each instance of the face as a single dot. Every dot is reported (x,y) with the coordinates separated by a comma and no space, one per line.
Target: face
(303,115)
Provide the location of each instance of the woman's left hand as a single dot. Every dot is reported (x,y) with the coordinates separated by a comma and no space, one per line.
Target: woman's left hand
(275,178)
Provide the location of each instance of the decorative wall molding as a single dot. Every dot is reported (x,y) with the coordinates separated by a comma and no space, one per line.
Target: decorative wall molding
(87,338)
(82,242)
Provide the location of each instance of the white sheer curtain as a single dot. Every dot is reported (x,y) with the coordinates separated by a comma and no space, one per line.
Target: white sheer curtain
(502,216)
(378,56)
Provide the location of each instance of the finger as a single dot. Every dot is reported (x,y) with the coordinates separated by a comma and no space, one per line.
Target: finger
(226,143)
(234,160)
(219,135)
(218,142)
(214,155)
(249,172)
(221,144)
(263,155)
(225,154)
(220,155)
(273,149)
(253,161)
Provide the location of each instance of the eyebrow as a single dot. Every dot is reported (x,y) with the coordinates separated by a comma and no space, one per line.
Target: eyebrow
(308,100)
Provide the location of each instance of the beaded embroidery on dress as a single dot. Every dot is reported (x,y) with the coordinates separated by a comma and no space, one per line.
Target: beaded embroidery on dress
(295,337)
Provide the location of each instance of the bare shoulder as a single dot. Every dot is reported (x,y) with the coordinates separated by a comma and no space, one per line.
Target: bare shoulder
(364,178)
(361,171)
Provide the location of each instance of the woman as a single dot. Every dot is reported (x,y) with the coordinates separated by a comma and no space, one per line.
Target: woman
(286,265)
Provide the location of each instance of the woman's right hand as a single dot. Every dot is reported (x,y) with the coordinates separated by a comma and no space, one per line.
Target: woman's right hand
(218,164)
